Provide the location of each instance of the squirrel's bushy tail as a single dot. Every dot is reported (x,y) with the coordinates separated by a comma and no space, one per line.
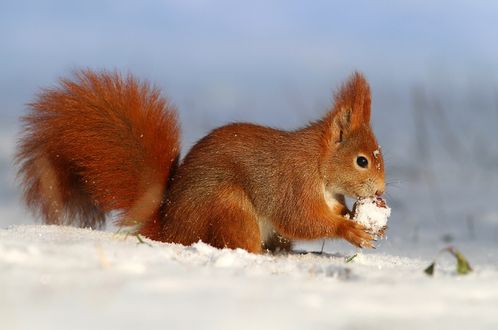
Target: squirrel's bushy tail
(98,142)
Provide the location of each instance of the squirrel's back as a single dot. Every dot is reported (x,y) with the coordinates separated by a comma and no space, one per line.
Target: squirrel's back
(96,143)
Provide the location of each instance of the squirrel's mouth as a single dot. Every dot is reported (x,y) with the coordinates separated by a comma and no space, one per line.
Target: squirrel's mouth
(365,194)
(368,189)
(360,193)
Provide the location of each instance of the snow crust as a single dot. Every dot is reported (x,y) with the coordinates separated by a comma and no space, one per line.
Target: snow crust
(54,277)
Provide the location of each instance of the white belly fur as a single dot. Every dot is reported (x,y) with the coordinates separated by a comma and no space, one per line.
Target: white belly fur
(266,229)
(330,198)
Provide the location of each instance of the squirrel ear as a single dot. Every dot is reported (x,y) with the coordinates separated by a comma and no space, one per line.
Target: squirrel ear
(351,104)
(340,123)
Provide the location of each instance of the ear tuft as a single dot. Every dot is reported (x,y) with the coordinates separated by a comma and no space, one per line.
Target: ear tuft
(351,109)
(354,96)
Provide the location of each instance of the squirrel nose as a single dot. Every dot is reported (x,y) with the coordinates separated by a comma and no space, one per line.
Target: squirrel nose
(379,192)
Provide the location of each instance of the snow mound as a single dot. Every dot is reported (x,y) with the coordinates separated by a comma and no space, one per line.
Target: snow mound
(372,213)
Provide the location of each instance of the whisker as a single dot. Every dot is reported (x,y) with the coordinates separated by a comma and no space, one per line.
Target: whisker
(393,185)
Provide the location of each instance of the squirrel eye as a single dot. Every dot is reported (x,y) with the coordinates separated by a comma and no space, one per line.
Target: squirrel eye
(362,161)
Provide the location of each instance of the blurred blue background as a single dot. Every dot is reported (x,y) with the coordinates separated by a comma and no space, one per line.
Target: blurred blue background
(432,67)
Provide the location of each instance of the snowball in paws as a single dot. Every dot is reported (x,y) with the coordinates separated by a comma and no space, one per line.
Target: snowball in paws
(372,213)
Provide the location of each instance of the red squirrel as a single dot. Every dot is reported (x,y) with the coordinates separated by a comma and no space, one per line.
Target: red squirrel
(101,141)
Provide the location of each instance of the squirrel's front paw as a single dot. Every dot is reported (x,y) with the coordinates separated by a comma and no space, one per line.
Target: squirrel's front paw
(355,234)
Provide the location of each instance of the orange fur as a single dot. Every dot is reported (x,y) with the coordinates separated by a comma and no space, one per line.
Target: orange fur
(111,143)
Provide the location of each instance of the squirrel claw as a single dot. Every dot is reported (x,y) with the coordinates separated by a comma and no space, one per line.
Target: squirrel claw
(356,234)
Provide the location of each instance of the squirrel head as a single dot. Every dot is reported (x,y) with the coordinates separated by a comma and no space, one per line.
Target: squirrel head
(352,162)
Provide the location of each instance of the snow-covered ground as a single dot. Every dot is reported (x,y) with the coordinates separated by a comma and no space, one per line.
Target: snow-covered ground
(67,278)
